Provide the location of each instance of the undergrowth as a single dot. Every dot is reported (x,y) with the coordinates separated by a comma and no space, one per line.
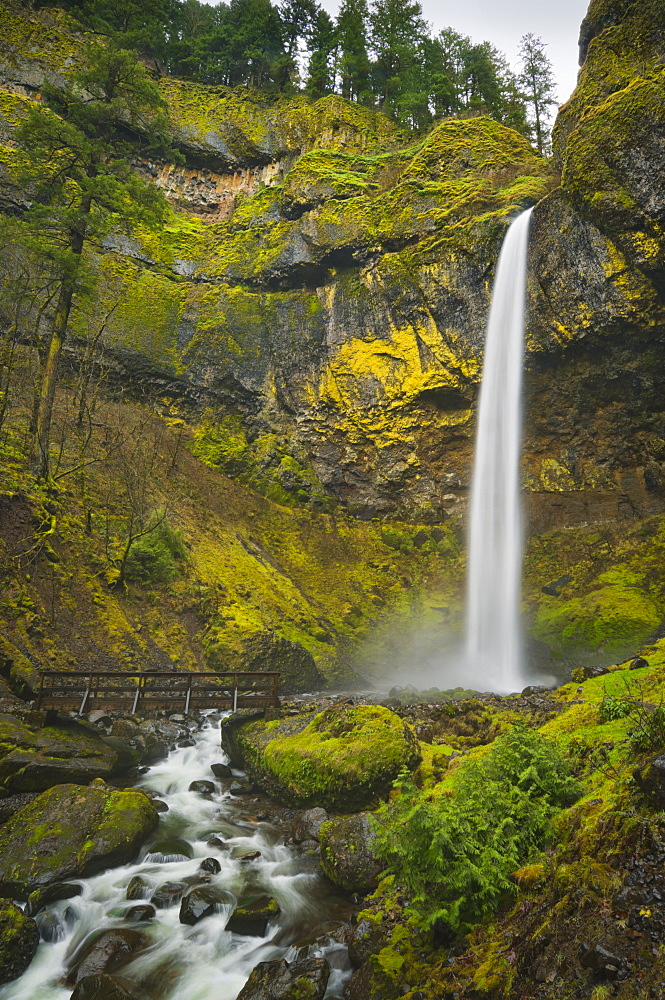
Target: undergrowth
(455,852)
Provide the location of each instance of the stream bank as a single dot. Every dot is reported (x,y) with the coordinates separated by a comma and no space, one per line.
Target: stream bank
(215,891)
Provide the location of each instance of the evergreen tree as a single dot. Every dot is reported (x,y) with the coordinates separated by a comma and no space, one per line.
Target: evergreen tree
(298,18)
(352,58)
(144,24)
(76,146)
(397,32)
(537,81)
(322,42)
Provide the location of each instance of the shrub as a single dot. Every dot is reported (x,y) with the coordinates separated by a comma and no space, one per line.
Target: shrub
(612,708)
(454,852)
(154,557)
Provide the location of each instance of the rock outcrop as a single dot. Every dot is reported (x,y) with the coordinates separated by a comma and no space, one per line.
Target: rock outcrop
(71,831)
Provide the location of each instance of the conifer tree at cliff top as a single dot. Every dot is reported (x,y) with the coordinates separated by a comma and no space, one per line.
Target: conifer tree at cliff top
(75,163)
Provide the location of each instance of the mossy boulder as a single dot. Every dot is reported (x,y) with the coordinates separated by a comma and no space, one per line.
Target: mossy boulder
(34,756)
(306,980)
(70,832)
(297,670)
(346,853)
(19,938)
(344,758)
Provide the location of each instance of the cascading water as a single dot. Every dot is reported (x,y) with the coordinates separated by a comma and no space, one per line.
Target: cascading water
(493,636)
(206,961)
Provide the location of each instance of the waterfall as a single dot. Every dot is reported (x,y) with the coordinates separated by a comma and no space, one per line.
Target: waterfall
(493,636)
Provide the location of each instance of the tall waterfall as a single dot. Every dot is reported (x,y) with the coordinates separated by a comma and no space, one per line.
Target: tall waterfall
(493,636)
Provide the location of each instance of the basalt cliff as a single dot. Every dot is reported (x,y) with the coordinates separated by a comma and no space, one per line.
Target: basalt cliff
(311,322)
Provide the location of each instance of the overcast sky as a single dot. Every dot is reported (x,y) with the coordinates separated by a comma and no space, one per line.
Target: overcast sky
(503,22)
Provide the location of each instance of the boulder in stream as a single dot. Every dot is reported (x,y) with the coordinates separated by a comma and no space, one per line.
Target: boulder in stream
(346,853)
(105,987)
(71,832)
(19,938)
(280,981)
(253,915)
(105,951)
(203,902)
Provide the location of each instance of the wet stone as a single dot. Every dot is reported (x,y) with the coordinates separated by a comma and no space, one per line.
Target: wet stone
(186,743)
(168,894)
(51,926)
(246,856)
(202,787)
(217,842)
(105,987)
(138,914)
(252,915)
(170,851)
(138,888)
(240,788)
(307,824)
(200,903)
(280,981)
(40,898)
(211,866)
(221,770)
(160,805)
(106,951)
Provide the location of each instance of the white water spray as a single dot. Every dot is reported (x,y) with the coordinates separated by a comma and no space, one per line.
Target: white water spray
(493,635)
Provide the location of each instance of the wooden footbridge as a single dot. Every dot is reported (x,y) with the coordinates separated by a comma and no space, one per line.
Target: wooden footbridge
(177,691)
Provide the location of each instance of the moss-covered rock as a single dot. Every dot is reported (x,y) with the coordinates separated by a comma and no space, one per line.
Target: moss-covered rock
(35,757)
(346,853)
(19,938)
(343,758)
(277,980)
(71,831)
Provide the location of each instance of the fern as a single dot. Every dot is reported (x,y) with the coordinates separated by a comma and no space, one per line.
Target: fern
(455,852)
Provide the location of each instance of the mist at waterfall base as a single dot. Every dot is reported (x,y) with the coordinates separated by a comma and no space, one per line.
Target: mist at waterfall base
(492,657)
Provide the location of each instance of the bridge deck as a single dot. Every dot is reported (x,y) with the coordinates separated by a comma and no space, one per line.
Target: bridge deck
(178,691)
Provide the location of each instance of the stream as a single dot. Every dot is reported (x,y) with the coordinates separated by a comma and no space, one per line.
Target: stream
(204,961)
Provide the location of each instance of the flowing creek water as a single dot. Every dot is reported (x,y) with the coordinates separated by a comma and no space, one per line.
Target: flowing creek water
(205,961)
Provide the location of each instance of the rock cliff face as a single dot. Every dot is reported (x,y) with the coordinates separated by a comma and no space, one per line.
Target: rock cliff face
(327,279)
(316,302)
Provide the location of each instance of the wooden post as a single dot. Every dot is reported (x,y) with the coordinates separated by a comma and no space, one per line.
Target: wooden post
(189,694)
(85,695)
(137,694)
(41,691)
(235,692)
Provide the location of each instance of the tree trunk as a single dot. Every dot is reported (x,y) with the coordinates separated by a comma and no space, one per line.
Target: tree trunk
(39,459)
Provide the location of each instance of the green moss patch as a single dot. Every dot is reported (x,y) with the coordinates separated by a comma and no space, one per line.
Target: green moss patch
(344,758)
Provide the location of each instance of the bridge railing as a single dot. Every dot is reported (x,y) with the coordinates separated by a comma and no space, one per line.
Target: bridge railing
(178,691)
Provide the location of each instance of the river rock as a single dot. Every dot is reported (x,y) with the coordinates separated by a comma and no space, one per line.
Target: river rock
(50,925)
(221,770)
(34,757)
(638,663)
(168,894)
(138,888)
(169,851)
(344,758)
(306,825)
(105,987)
(139,914)
(203,902)
(280,981)
(105,951)
(71,832)
(19,938)
(346,853)
(252,915)
(51,894)
(211,866)
(202,787)
(13,803)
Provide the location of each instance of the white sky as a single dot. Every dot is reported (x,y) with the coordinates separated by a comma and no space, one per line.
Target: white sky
(503,22)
